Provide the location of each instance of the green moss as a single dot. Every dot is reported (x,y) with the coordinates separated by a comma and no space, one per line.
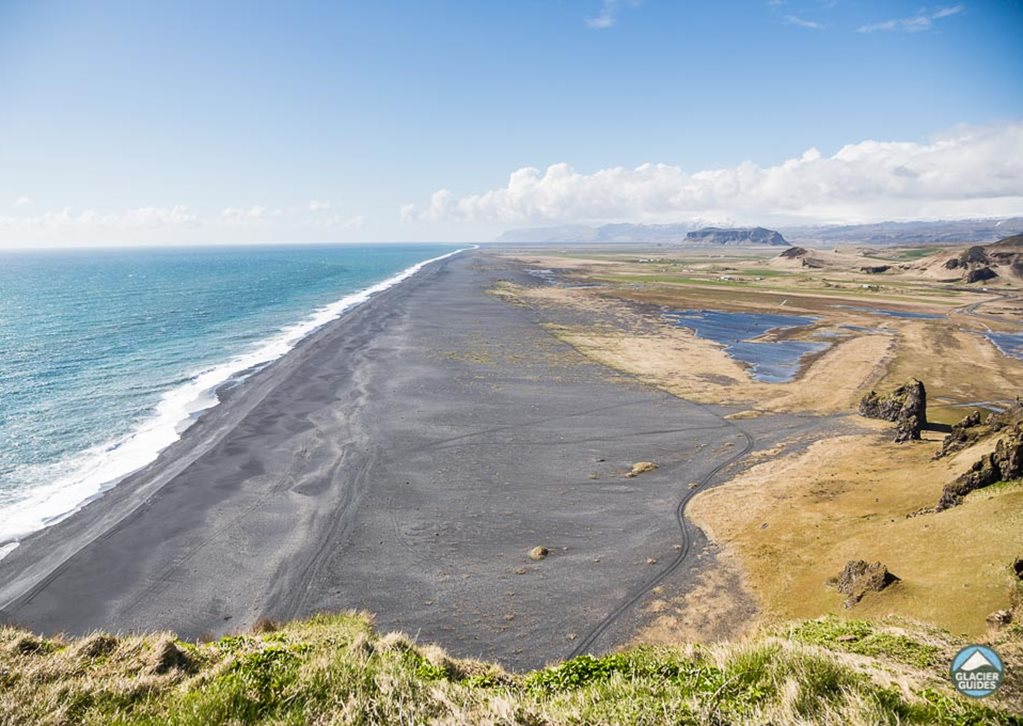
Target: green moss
(863,638)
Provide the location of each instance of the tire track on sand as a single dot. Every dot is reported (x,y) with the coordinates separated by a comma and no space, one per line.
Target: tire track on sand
(586,644)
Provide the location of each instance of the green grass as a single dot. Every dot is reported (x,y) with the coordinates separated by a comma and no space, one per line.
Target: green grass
(336,669)
(763,272)
(915,253)
(863,638)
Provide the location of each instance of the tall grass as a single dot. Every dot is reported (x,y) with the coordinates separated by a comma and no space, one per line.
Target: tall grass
(336,669)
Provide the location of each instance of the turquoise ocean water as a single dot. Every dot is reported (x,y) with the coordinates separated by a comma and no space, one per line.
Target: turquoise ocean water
(106,356)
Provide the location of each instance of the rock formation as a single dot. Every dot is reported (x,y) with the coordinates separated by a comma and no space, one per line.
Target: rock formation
(906,406)
(1002,464)
(746,236)
(963,434)
(860,577)
(980,274)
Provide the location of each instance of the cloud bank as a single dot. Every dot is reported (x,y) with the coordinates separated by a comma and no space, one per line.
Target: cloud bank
(178,225)
(965,172)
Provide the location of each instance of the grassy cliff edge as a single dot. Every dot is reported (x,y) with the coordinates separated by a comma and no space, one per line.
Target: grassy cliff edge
(337,669)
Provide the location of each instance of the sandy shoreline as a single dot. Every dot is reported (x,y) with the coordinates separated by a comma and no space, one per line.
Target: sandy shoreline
(403,460)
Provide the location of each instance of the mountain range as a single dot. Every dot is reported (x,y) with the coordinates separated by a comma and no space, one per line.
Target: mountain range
(981,231)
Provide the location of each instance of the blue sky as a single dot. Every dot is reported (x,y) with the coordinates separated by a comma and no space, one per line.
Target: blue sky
(145,122)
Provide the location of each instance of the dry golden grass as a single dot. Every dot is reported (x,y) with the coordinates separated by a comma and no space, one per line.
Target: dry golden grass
(333,669)
(794,522)
(790,523)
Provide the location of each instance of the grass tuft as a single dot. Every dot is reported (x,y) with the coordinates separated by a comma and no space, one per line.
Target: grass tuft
(336,669)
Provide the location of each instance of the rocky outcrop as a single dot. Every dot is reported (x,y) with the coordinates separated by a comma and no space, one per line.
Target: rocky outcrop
(981,274)
(875,269)
(999,619)
(906,406)
(975,426)
(538,553)
(963,434)
(739,236)
(859,577)
(969,258)
(1002,464)
(640,467)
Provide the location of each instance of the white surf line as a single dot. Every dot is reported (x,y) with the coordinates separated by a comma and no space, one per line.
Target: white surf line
(99,469)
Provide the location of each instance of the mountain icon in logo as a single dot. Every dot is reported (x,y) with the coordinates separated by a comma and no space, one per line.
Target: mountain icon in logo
(977,671)
(975,661)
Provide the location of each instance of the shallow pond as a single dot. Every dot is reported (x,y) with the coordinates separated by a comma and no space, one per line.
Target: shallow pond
(1010,344)
(768,361)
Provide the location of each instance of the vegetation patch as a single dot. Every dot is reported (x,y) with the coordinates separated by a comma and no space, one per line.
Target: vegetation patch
(864,638)
(335,669)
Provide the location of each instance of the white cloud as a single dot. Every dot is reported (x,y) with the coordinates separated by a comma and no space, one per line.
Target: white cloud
(336,221)
(316,205)
(140,217)
(175,225)
(801,22)
(255,213)
(22,201)
(966,172)
(607,17)
(922,21)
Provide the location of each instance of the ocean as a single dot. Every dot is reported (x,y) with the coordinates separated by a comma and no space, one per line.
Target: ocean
(106,356)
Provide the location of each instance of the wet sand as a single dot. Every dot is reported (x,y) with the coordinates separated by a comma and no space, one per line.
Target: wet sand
(402,460)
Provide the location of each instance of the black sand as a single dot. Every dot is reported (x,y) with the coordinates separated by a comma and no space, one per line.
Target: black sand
(402,460)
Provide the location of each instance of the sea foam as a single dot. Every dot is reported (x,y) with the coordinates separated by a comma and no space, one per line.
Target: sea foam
(89,473)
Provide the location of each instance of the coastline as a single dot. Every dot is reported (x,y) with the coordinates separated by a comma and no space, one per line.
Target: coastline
(103,467)
(403,459)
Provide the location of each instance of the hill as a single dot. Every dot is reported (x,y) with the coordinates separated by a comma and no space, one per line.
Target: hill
(976,231)
(336,669)
(1015,240)
(735,236)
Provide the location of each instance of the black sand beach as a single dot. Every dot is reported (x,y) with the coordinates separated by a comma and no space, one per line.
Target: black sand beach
(402,460)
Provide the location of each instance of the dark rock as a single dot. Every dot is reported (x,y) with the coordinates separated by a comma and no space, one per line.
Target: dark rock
(875,269)
(1017,568)
(963,434)
(860,577)
(906,406)
(952,264)
(1002,464)
(974,256)
(981,274)
(999,619)
(745,236)
(793,253)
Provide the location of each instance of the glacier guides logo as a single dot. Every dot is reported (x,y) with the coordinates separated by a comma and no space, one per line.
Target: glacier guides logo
(977,671)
